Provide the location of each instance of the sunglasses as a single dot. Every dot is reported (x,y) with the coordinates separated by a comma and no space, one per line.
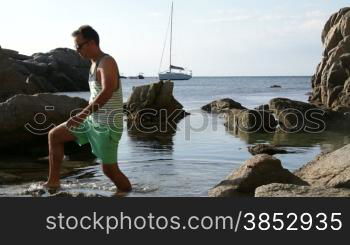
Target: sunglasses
(79,46)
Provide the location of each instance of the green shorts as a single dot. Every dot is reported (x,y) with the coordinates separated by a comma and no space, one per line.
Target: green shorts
(104,140)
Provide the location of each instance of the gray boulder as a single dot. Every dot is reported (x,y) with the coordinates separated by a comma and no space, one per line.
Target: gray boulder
(60,70)
(250,121)
(297,116)
(330,170)
(260,170)
(154,105)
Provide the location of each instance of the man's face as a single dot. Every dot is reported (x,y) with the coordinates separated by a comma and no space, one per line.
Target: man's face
(82,46)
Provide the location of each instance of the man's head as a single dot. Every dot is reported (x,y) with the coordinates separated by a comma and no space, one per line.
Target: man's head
(86,41)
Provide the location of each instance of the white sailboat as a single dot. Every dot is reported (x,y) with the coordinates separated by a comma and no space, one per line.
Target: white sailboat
(174,72)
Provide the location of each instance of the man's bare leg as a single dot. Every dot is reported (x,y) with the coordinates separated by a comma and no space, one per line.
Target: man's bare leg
(57,137)
(113,172)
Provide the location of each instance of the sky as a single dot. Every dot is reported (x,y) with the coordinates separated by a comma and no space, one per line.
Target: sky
(212,38)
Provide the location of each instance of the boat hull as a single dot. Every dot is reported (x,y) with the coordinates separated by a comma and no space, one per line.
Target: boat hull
(174,76)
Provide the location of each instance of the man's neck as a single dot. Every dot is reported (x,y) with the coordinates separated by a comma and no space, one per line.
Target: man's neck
(96,55)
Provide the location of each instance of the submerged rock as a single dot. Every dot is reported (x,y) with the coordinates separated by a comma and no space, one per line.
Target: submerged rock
(266,149)
(275,86)
(257,171)
(288,190)
(222,105)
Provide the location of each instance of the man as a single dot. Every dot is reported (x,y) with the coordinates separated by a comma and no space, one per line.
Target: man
(101,122)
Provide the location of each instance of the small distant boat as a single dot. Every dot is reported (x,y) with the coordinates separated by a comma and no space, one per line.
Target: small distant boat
(140,76)
(174,72)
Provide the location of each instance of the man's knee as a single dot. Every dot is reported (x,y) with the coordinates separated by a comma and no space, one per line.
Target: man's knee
(60,135)
(53,135)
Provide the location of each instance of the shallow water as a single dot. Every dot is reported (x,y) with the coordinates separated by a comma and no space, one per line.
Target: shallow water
(201,152)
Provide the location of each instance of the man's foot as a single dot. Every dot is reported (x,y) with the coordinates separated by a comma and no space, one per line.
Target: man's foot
(113,172)
(52,186)
(122,182)
(120,193)
(125,189)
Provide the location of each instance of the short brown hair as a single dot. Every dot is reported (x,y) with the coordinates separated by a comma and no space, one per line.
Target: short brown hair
(88,33)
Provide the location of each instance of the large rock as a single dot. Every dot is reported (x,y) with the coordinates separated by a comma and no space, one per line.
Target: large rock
(250,121)
(288,190)
(330,80)
(14,54)
(60,70)
(153,108)
(297,116)
(26,119)
(329,170)
(257,171)
(221,106)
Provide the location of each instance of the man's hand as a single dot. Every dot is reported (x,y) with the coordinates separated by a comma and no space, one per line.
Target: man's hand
(76,120)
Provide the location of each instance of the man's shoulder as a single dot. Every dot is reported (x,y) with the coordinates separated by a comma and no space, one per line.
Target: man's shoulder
(108,61)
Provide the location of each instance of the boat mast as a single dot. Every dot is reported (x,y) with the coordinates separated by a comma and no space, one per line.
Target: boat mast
(171,32)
